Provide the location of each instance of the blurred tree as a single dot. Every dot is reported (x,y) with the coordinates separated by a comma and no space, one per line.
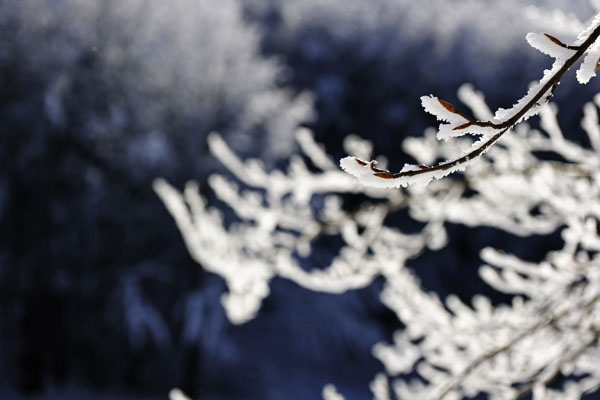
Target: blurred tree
(97,99)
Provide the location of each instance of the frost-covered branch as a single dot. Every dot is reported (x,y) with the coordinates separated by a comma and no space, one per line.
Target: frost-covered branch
(459,124)
(543,341)
(278,225)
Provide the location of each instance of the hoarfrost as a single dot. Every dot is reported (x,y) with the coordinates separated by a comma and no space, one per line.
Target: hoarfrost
(456,349)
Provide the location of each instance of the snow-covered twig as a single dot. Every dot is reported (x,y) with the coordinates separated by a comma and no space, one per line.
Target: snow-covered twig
(459,124)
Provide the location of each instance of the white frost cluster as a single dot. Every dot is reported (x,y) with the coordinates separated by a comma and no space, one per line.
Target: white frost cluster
(551,327)
(278,224)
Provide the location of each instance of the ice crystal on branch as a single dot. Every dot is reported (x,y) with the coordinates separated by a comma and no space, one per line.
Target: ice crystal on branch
(491,131)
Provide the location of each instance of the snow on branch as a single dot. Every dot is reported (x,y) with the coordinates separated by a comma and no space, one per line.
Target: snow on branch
(277,225)
(456,123)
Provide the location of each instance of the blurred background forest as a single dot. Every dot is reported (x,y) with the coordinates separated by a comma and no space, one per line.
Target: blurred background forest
(98,295)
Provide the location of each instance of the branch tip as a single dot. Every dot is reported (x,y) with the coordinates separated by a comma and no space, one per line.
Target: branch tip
(556,41)
(463,126)
(448,106)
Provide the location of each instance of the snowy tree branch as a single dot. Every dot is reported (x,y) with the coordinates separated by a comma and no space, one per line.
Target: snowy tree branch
(548,331)
(491,131)
(545,321)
